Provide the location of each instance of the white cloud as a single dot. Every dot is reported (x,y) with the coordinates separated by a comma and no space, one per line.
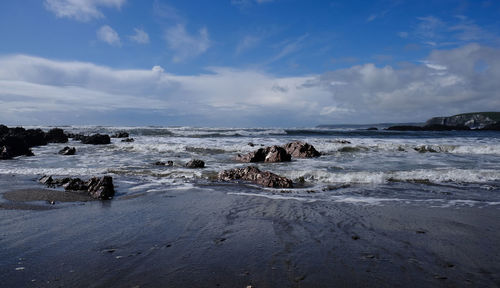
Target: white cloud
(140,36)
(108,35)
(223,96)
(185,45)
(81,10)
(290,47)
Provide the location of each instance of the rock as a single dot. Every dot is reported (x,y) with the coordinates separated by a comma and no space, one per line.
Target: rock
(492,127)
(56,135)
(471,120)
(101,188)
(77,137)
(96,139)
(195,163)
(372,129)
(268,154)
(47,180)
(13,146)
(98,188)
(438,127)
(251,144)
(34,137)
(128,140)
(120,135)
(67,151)
(169,163)
(404,128)
(75,184)
(301,150)
(425,148)
(253,174)
(341,141)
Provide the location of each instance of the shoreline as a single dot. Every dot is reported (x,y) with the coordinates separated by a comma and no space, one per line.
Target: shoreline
(207,238)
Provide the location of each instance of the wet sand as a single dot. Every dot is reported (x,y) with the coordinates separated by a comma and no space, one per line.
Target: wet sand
(207,238)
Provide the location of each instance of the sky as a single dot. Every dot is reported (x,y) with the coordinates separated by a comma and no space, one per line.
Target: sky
(246,63)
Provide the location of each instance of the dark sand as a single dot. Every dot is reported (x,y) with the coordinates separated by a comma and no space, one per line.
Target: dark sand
(205,238)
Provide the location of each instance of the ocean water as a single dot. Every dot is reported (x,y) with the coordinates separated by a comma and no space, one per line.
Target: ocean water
(357,166)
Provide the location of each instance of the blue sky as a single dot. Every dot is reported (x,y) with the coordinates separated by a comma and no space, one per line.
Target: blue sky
(246,62)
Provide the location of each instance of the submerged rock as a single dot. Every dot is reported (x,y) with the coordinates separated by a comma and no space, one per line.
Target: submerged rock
(300,149)
(253,174)
(268,154)
(96,139)
(128,140)
(195,163)
(67,151)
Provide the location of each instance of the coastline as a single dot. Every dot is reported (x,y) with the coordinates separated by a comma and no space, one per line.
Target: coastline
(209,238)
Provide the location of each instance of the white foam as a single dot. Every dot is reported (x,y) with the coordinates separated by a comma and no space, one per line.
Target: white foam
(432,175)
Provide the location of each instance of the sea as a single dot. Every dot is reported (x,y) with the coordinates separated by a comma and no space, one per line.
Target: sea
(358,166)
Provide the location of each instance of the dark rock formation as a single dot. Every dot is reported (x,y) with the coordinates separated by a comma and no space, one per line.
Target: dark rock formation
(97,188)
(77,137)
(160,163)
(425,149)
(56,135)
(253,174)
(67,151)
(101,188)
(268,154)
(195,163)
(96,139)
(471,120)
(492,127)
(128,140)
(372,129)
(301,150)
(404,128)
(13,146)
(120,134)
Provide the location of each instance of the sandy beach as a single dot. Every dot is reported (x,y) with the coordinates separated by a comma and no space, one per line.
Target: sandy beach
(211,238)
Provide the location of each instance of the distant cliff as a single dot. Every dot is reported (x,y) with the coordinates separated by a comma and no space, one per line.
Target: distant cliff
(477,120)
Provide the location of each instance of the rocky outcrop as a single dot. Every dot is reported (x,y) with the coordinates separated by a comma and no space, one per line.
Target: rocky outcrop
(96,139)
(195,163)
(268,154)
(128,140)
(98,188)
(13,146)
(300,149)
(160,163)
(470,120)
(56,135)
(120,134)
(67,151)
(253,174)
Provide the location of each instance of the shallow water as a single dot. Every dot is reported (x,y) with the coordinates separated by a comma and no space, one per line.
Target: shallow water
(356,166)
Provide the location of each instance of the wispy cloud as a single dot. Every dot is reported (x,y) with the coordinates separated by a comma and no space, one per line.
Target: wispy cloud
(289,47)
(403,34)
(81,10)
(248,42)
(185,45)
(108,35)
(140,36)
(246,3)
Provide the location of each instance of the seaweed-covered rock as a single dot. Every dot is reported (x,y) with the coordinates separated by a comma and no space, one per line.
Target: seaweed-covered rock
(268,154)
(67,151)
(195,163)
(96,139)
(300,149)
(56,135)
(253,174)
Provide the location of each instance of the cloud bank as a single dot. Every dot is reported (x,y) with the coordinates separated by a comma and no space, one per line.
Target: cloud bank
(446,82)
